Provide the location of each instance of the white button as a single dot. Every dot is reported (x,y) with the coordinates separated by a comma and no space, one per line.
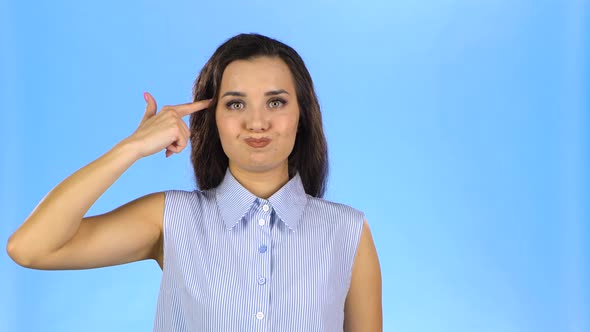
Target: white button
(265,207)
(261,222)
(259,315)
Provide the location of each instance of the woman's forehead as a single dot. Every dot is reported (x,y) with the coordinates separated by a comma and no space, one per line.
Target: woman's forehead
(257,75)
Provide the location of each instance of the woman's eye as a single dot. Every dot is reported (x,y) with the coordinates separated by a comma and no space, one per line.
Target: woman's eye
(235,105)
(276,103)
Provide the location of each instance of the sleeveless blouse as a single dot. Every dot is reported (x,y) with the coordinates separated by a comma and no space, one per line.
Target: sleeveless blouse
(237,262)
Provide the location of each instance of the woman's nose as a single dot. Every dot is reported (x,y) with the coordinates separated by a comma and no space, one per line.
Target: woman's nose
(257,119)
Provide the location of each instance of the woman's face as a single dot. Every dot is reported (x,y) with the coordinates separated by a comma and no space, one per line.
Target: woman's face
(257,114)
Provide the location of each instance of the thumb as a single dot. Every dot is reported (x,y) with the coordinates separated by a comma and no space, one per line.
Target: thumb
(151,107)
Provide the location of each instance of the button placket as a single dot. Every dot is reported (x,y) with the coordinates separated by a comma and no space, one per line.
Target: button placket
(261,279)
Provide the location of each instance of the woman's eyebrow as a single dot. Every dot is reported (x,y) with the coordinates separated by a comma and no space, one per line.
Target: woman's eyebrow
(241,94)
(234,93)
(275,92)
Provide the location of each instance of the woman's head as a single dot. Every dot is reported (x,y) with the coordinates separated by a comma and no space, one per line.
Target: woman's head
(260,89)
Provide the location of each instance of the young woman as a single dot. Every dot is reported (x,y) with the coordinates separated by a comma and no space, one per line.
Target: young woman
(256,248)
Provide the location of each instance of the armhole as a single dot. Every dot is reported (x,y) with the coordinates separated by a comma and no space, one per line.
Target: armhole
(168,198)
(356,230)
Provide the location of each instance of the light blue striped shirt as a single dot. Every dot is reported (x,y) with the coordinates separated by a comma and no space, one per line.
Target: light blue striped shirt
(237,262)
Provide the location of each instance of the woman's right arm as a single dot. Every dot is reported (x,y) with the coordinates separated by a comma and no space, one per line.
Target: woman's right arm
(57,236)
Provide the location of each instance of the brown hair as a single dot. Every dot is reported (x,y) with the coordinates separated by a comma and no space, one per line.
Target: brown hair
(310,152)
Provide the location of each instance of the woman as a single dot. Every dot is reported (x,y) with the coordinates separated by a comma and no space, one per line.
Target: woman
(256,248)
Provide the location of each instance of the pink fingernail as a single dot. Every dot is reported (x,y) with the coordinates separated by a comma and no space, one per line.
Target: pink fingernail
(145,96)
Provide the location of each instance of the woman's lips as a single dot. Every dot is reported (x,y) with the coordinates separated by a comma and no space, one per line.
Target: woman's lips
(257,142)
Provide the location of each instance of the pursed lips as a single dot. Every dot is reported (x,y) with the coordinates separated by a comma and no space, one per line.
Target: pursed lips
(257,142)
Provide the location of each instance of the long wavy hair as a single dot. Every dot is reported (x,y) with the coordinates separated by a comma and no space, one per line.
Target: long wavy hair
(309,156)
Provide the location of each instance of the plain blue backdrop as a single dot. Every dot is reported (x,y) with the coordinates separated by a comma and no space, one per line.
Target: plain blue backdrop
(461,128)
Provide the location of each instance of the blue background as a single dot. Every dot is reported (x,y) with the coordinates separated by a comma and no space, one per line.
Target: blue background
(460,128)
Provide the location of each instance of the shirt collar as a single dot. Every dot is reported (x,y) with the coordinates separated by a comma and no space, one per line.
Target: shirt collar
(234,201)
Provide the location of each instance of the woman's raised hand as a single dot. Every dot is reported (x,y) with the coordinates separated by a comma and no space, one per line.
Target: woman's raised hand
(56,235)
(165,129)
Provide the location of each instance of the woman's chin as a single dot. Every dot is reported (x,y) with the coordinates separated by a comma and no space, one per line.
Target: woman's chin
(258,166)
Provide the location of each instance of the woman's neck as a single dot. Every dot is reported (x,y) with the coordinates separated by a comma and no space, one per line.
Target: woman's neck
(262,184)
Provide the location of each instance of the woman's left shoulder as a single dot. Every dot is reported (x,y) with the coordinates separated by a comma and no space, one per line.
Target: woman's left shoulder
(334,210)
